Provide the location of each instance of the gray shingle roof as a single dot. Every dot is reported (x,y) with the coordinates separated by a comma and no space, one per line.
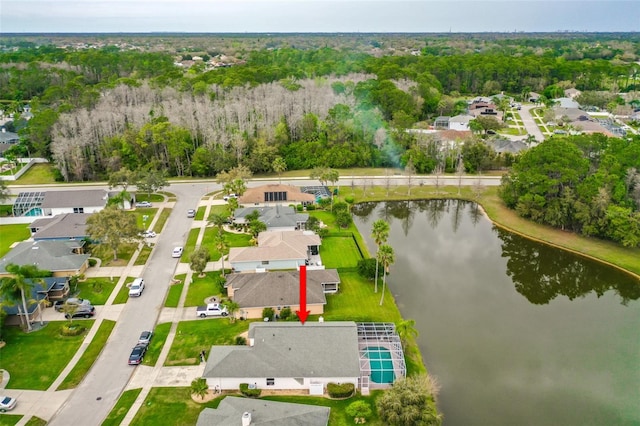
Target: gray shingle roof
(263,412)
(68,225)
(47,255)
(290,349)
(81,198)
(280,288)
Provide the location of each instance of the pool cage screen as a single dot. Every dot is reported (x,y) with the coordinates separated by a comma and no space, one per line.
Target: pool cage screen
(26,201)
(380,350)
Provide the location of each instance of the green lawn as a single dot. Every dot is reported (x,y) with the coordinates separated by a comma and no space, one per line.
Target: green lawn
(144,254)
(36,421)
(123,293)
(233,240)
(89,356)
(200,213)
(97,290)
(35,359)
(11,234)
(170,403)
(10,419)
(143,213)
(190,245)
(122,407)
(339,252)
(153,197)
(173,297)
(198,335)
(105,254)
(38,174)
(164,216)
(204,287)
(160,334)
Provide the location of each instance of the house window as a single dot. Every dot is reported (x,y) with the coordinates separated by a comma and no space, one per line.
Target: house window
(271,382)
(265,262)
(78,209)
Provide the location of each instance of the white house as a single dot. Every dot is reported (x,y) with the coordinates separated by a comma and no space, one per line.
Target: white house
(53,203)
(460,122)
(288,356)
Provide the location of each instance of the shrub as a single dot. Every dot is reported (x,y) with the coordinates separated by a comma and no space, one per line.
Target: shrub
(359,410)
(240,341)
(299,207)
(285,314)
(350,199)
(93,262)
(268,313)
(367,268)
(311,207)
(251,393)
(340,390)
(72,330)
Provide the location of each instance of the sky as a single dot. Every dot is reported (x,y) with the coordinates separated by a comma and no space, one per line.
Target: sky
(240,16)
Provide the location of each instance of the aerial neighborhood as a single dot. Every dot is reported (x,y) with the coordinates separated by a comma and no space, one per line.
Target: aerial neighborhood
(316,229)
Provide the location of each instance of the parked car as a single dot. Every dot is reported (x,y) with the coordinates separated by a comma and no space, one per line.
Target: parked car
(82,312)
(137,287)
(143,204)
(145,338)
(59,304)
(228,197)
(148,234)
(191,213)
(177,251)
(137,354)
(212,310)
(7,403)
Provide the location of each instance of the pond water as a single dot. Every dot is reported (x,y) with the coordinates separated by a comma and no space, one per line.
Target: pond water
(516,332)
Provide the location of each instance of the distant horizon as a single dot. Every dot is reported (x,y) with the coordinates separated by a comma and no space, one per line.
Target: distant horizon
(318,16)
(5,34)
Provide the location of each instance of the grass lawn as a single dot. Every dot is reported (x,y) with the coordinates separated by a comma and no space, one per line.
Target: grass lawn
(198,335)
(203,287)
(89,356)
(140,214)
(12,234)
(125,402)
(173,297)
(190,245)
(144,254)
(38,174)
(35,359)
(10,419)
(339,252)
(36,421)
(233,240)
(200,213)
(152,198)
(6,210)
(160,334)
(97,290)
(164,216)
(105,254)
(123,293)
(170,403)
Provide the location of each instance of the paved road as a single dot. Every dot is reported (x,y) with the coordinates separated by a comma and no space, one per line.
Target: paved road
(93,399)
(529,123)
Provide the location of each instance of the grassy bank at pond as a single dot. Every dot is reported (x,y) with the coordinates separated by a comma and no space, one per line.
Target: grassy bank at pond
(604,251)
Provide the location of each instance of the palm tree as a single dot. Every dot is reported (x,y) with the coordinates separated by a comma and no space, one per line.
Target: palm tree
(21,282)
(216,220)
(279,166)
(406,329)
(232,307)
(221,245)
(380,234)
(386,257)
(199,387)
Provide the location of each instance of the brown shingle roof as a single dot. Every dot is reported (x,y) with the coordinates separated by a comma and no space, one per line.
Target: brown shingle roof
(294,195)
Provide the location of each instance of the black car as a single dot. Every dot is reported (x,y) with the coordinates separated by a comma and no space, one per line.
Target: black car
(137,354)
(81,313)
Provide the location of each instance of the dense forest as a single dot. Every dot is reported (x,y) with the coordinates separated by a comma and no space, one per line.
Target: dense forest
(322,102)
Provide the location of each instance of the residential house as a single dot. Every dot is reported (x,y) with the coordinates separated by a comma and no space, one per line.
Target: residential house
(277,218)
(275,193)
(7,139)
(276,250)
(62,258)
(50,289)
(235,411)
(68,226)
(580,121)
(288,356)
(52,203)
(566,103)
(502,146)
(280,289)
(460,122)
(441,123)
(572,93)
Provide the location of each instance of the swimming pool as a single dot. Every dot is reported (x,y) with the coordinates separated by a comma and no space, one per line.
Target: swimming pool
(381,364)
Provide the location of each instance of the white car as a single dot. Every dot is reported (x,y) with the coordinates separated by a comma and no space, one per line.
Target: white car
(143,204)
(177,252)
(137,287)
(191,213)
(7,403)
(227,197)
(148,234)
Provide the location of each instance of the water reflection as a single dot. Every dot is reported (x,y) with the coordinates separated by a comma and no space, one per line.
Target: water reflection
(516,332)
(541,273)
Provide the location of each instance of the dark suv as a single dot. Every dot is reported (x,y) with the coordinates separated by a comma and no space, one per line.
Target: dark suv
(82,312)
(137,354)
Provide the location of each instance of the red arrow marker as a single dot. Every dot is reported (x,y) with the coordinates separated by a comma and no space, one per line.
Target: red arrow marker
(303,313)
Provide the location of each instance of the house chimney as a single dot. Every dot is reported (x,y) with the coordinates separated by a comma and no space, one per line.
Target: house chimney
(246,418)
